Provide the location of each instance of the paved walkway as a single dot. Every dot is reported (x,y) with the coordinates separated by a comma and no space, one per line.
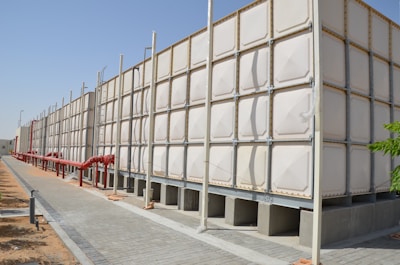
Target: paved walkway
(100,231)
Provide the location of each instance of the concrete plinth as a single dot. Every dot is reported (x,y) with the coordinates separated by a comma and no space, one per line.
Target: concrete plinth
(169,194)
(138,186)
(343,223)
(240,212)
(274,219)
(216,205)
(128,184)
(188,200)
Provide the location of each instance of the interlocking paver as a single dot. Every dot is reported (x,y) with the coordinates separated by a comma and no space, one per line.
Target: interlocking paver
(121,233)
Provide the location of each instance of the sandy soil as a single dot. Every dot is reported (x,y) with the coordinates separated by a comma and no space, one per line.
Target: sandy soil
(20,241)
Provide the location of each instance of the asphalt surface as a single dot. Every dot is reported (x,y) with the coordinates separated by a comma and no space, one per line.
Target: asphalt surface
(101,231)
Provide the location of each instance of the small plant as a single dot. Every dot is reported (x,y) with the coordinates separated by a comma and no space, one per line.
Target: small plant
(390,146)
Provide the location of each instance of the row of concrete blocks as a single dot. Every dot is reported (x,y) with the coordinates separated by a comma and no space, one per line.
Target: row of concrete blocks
(338,223)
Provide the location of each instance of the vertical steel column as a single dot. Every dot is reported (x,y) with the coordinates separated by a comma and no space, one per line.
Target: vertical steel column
(151,121)
(96,119)
(118,135)
(204,199)
(318,134)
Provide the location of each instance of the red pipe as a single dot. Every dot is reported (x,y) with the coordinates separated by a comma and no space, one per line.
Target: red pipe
(105,176)
(53,157)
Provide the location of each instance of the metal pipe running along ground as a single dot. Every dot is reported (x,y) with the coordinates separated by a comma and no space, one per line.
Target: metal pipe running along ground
(104,159)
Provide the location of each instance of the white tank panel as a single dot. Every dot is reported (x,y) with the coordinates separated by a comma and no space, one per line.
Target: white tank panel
(127,85)
(164,64)
(195,163)
(108,136)
(108,150)
(196,124)
(360,169)
(160,128)
(103,94)
(253,118)
(110,111)
(252,169)
(111,89)
(180,57)
(162,96)
(126,106)
(293,63)
(253,75)
(381,117)
(159,160)
(123,158)
(137,103)
(290,16)
(250,35)
(223,79)
(178,92)
(144,159)
(199,49)
(357,20)
(224,38)
(145,129)
(175,162)
(395,44)
(359,124)
(396,85)
(146,101)
(334,170)
(102,115)
(125,132)
(292,117)
(136,130)
(382,172)
(291,169)
(135,159)
(114,133)
(380,36)
(147,72)
(101,134)
(381,79)
(177,126)
(198,86)
(222,121)
(334,113)
(332,15)
(359,70)
(333,60)
(221,165)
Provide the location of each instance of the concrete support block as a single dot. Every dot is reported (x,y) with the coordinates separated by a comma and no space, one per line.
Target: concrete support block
(156,191)
(240,212)
(188,200)
(361,219)
(139,185)
(274,219)
(336,226)
(384,215)
(216,205)
(169,194)
(396,211)
(128,184)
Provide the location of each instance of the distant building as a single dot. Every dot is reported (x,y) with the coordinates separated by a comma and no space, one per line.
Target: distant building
(6,146)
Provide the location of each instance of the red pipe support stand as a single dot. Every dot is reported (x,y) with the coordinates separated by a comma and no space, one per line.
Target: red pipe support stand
(80,177)
(97,173)
(105,177)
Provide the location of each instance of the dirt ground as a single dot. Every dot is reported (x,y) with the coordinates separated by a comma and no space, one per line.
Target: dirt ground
(20,241)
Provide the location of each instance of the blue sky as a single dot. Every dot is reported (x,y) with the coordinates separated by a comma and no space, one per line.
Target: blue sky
(48,48)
